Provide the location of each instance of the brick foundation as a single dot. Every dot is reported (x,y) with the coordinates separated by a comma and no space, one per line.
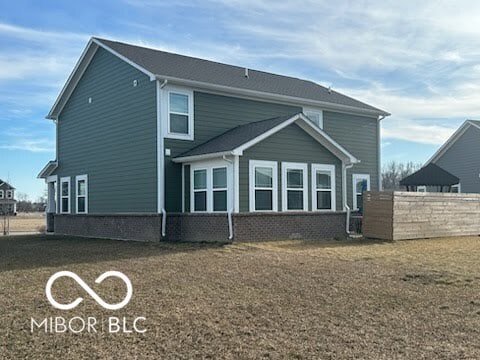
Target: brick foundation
(205,227)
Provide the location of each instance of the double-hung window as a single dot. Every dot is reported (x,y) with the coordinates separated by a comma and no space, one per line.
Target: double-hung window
(1,194)
(263,185)
(361,183)
(180,114)
(65,195)
(219,189)
(81,194)
(200,190)
(294,187)
(9,194)
(323,187)
(210,189)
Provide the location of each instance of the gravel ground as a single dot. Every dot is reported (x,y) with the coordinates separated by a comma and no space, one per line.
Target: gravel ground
(288,299)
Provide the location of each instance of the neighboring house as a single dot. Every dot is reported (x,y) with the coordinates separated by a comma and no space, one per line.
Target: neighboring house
(8,204)
(148,139)
(460,156)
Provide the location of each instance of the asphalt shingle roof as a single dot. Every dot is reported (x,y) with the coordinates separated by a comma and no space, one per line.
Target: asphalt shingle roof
(236,137)
(430,175)
(162,63)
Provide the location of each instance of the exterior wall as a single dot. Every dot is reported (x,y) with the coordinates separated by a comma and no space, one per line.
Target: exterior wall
(462,159)
(357,134)
(285,226)
(205,227)
(214,114)
(412,215)
(112,139)
(291,144)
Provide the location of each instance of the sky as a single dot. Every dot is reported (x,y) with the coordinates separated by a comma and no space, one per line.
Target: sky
(420,61)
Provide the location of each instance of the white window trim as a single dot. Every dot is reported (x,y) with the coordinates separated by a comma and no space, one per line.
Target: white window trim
(199,190)
(294,166)
(53,179)
(356,177)
(219,189)
(331,169)
(9,194)
(77,179)
(65,180)
(458,186)
(2,194)
(261,163)
(191,122)
(209,166)
(421,188)
(314,110)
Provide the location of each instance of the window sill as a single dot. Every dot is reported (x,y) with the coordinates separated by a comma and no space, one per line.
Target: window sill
(179,136)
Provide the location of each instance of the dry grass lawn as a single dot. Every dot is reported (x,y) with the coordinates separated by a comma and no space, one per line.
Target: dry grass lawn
(25,222)
(292,299)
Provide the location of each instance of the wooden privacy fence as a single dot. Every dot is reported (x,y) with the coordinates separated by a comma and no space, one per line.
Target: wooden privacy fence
(416,215)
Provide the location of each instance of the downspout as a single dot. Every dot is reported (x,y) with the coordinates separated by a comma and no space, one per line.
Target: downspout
(345,202)
(379,152)
(162,154)
(230,212)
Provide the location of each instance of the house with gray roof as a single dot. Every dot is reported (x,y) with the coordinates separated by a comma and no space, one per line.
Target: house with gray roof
(8,204)
(460,156)
(153,145)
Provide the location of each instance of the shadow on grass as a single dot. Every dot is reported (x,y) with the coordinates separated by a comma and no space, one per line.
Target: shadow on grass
(37,251)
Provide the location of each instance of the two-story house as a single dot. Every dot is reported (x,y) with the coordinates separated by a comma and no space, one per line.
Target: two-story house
(152,144)
(8,204)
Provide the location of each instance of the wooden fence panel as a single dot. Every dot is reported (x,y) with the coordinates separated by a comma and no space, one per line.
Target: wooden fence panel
(412,215)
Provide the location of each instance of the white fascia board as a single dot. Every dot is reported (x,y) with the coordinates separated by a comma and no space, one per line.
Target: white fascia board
(44,173)
(66,89)
(201,157)
(451,140)
(270,96)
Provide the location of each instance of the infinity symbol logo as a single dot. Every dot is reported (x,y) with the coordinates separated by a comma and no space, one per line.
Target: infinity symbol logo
(88,289)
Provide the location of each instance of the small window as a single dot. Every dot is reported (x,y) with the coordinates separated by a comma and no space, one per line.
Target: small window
(82,194)
(9,194)
(323,187)
(219,189)
(200,190)
(422,188)
(361,183)
(65,195)
(315,116)
(294,184)
(180,114)
(263,186)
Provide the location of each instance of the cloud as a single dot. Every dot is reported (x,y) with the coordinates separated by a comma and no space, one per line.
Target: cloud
(420,132)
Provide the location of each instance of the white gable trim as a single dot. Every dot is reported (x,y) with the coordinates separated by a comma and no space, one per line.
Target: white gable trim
(451,140)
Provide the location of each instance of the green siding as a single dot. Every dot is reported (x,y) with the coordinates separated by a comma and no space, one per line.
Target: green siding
(213,114)
(291,144)
(357,134)
(113,139)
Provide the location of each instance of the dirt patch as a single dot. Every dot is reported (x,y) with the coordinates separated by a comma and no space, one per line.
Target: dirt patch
(293,299)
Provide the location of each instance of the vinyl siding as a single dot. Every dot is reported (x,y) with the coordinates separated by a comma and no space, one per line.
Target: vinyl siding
(462,159)
(213,114)
(357,134)
(291,144)
(113,139)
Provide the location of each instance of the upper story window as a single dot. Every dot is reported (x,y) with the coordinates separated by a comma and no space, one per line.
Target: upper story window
(294,187)
(65,195)
(315,116)
(9,194)
(263,186)
(180,114)
(1,194)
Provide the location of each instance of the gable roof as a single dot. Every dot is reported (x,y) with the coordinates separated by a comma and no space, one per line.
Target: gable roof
(240,138)
(202,73)
(48,169)
(10,187)
(452,139)
(430,175)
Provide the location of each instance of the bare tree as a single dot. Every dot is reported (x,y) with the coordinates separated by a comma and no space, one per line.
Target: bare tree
(394,171)
(22,196)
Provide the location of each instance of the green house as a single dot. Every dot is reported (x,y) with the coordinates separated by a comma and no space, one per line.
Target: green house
(154,145)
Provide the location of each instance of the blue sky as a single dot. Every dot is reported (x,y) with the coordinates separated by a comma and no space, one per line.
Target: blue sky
(418,60)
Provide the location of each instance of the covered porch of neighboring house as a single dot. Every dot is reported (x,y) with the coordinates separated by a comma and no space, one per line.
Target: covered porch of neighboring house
(431,178)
